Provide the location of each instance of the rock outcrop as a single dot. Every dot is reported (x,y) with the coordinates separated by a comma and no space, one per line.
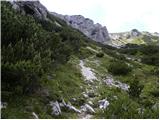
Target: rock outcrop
(135,33)
(103,104)
(34,8)
(96,32)
(87,108)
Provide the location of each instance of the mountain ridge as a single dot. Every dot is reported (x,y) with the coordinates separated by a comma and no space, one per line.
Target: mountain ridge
(95,32)
(133,37)
(120,39)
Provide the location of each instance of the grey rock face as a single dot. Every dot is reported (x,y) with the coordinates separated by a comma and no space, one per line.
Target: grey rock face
(34,8)
(96,32)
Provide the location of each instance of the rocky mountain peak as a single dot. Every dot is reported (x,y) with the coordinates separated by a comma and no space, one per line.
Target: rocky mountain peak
(96,32)
(135,33)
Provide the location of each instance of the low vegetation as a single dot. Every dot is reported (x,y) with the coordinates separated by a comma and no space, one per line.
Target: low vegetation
(119,68)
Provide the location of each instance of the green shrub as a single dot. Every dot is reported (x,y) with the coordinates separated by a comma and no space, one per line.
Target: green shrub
(119,68)
(21,77)
(85,53)
(135,88)
(155,70)
(100,54)
(149,53)
(151,59)
(155,93)
(31,48)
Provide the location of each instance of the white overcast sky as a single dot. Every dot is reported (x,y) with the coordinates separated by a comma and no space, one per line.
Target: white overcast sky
(116,15)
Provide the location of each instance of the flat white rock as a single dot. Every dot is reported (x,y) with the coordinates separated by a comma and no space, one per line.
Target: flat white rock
(87,72)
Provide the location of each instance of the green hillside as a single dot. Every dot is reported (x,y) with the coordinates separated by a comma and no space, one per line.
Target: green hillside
(45,62)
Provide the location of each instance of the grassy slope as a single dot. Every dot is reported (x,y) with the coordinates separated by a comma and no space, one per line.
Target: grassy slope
(142,72)
(66,82)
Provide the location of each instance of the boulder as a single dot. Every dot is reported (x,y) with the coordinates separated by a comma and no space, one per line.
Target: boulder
(35,115)
(90,102)
(103,104)
(87,108)
(3,105)
(70,107)
(85,95)
(56,110)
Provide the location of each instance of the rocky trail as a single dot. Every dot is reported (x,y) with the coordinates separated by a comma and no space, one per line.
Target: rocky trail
(88,109)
